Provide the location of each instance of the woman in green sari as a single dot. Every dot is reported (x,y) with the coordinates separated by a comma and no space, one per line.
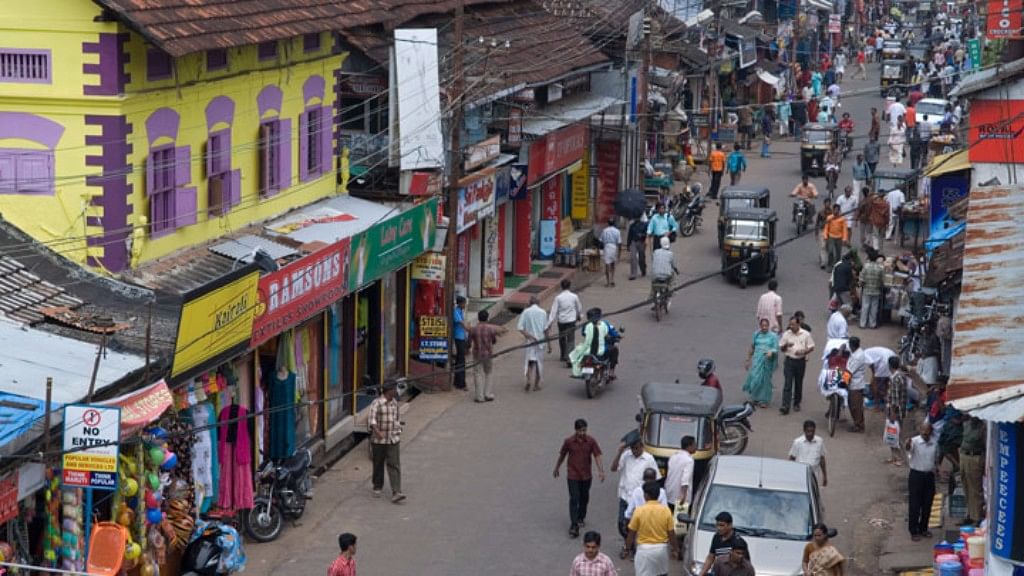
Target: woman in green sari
(761,363)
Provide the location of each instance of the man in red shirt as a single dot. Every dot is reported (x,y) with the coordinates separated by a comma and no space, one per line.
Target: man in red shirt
(579,449)
(481,341)
(345,563)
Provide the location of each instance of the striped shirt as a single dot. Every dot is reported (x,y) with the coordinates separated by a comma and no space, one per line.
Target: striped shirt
(601,565)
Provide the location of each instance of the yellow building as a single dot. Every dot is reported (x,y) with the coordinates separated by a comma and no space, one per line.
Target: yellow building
(129,133)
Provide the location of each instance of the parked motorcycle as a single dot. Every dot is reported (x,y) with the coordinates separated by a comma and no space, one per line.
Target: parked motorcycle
(594,369)
(693,215)
(284,487)
(734,428)
(921,319)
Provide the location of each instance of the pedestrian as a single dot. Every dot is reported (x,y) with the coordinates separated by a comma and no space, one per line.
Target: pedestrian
(577,452)
(746,124)
(661,225)
(796,344)
(809,448)
(972,468)
(821,558)
(838,327)
(345,563)
(878,218)
(533,326)
(735,563)
(566,311)
(872,153)
(784,110)
(802,319)
(895,200)
(819,225)
(848,203)
(637,499)
(716,163)
(679,476)
(761,362)
(769,307)
(917,147)
(879,356)
(766,146)
(944,330)
(630,462)
(636,238)
(385,427)
(461,336)
(923,453)
(723,542)
(857,365)
(950,437)
(800,115)
(871,277)
(861,58)
(611,239)
(737,165)
(816,80)
(841,280)
(652,530)
(482,338)
(861,175)
(840,66)
(592,562)
(837,234)
(897,141)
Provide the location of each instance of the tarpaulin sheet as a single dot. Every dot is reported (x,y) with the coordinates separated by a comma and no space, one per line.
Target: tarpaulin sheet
(17,413)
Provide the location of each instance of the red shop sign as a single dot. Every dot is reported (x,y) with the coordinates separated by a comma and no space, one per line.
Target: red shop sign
(1004,21)
(142,407)
(996,126)
(300,290)
(607,179)
(9,498)
(556,151)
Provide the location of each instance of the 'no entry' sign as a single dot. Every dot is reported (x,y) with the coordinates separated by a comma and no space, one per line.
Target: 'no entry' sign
(91,435)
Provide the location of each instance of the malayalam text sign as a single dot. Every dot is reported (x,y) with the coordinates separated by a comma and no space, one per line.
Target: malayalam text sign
(91,435)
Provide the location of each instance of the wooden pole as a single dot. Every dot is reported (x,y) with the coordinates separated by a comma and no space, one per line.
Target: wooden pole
(46,416)
(454,175)
(96,367)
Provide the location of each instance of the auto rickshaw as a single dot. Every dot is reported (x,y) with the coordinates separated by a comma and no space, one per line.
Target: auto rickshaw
(739,197)
(895,77)
(886,179)
(748,249)
(815,142)
(670,411)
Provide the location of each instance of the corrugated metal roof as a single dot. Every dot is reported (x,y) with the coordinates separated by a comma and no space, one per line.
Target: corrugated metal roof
(243,248)
(565,112)
(23,294)
(1006,405)
(989,78)
(320,222)
(989,325)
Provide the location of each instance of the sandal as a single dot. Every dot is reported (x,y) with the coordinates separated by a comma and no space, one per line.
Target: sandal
(898,463)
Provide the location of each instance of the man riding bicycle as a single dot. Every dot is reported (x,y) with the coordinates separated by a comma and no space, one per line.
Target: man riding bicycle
(833,160)
(663,270)
(805,190)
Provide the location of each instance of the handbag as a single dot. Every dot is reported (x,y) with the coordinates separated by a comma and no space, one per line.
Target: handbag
(891,434)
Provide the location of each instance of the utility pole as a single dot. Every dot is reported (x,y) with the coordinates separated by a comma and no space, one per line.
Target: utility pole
(643,122)
(454,174)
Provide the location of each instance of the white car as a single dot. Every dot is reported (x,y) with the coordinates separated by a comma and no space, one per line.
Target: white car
(774,505)
(934,108)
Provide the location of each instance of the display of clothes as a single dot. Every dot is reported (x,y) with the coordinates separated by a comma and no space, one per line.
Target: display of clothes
(282,413)
(235,486)
(205,462)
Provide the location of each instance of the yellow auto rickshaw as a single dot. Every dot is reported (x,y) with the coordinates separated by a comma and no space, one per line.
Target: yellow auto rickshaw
(739,197)
(748,249)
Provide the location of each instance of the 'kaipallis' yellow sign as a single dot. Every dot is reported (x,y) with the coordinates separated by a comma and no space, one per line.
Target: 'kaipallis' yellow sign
(215,318)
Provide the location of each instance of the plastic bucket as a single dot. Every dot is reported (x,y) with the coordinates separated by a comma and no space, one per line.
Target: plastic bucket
(976,547)
(942,548)
(950,569)
(945,559)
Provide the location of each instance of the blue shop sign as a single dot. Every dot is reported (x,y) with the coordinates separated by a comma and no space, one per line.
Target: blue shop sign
(502,185)
(1006,515)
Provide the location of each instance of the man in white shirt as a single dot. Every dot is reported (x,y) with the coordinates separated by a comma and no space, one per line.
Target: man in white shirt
(878,357)
(630,462)
(896,109)
(636,497)
(533,325)
(848,203)
(611,239)
(837,326)
(809,448)
(566,311)
(923,452)
(679,478)
(857,364)
(769,307)
(895,198)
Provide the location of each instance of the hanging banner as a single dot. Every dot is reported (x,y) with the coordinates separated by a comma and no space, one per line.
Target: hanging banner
(607,178)
(494,265)
(142,407)
(548,233)
(995,132)
(462,264)
(429,266)
(974,53)
(476,199)
(391,244)
(1007,517)
(9,498)
(581,189)
(91,437)
(1004,20)
(517,182)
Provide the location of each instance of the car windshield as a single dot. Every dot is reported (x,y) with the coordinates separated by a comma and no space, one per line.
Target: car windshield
(891,69)
(931,108)
(819,136)
(883,183)
(667,430)
(746,230)
(760,513)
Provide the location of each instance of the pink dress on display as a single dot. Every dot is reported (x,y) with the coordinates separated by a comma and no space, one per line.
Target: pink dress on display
(235,453)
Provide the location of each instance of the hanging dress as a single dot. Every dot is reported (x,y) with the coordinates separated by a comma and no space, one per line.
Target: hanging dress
(282,416)
(235,454)
(205,464)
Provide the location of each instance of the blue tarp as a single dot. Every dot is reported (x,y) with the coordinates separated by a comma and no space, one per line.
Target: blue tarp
(18,413)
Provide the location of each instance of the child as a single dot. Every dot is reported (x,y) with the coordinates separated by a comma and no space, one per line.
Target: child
(891,436)
(765,147)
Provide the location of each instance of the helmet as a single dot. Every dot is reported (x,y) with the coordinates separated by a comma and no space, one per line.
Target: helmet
(705,367)
(695,188)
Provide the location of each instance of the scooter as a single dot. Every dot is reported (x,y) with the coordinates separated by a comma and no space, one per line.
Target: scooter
(734,428)
(693,215)
(284,488)
(594,369)
(662,293)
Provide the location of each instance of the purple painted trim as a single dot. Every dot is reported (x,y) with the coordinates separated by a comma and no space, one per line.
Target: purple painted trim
(10,58)
(110,69)
(30,127)
(163,122)
(313,87)
(220,109)
(269,98)
(159,65)
(113,180)
(311,42)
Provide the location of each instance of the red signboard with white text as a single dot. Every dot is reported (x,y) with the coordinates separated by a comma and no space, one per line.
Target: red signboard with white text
(300,290)
(607,179)
(996,130)
(9,498)
(556,151)
(1004,20)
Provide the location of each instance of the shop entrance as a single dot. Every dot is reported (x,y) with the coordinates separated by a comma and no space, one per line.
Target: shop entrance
(368,344)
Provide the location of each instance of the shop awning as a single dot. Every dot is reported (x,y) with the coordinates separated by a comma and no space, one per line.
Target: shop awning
(1006,405)
(566,112)
(946,163)
(142,407)
(330,220)
(17,415)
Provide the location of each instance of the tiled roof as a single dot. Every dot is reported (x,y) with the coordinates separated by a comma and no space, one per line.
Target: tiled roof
(23,294)
(181,27)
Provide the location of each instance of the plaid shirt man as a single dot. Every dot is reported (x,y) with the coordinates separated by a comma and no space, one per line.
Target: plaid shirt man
(601,565)
(871,277)
(385,421)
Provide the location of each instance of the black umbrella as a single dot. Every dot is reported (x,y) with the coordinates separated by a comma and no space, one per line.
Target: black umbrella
(630,203)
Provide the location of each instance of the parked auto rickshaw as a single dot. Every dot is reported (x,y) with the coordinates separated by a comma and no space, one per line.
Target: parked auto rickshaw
(886,179)
(895,77)
(739,197)
(670,411)
(815,142)
(748,249)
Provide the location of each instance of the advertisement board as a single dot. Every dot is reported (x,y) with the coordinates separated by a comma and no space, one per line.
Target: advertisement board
(429,266)
(91,436)
(556,151)
(476,199)
(607,178)
(1004,19)
(9,498)
(1007,517)
(391,244)
(996,126)
(581,189)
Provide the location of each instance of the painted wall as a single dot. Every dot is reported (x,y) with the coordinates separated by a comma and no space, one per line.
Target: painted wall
(101,118)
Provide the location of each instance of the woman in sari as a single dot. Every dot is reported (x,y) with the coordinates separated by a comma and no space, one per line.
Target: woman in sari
(820,557)
(761,363)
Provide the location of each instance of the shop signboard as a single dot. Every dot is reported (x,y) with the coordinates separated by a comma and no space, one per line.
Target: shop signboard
(216,322)
(1004,20)
(548,233)
(943,192)
(429,266)
(391,244)
(996,126)
(502,185)
(433,338)
(835,23)
(300,290)
(700,120)
(556,151)
(434,349)
(476,155)
(493,283)
(1007,514)
(518,189)
(974,52)
(142,407)
(364,85)
(607,178)
(515,125)
(9,498)
(91,436)
(748,52)
(581,189)
(476,199)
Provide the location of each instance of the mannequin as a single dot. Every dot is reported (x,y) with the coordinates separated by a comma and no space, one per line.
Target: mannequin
(282,413)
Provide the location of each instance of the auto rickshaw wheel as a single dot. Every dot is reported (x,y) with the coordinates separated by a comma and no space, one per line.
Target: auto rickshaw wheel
(743,281)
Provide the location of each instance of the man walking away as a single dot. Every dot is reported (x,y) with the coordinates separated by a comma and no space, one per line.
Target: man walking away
(875,130)
(653,531)
(679,477)
(894,199)
(836,235)
(345,563)
(611,239)
(769,307)
(972,467)
(737,165)
(857,365)
(592,562)
(809,448)
(746,122)
(636,237)
(533,326)
(482,338)
(716,162)
(579,449)
(872,152)
(796,343)
(566,311)
(461,337)
(861,175)
(385,435)
(871,277)
(630,462)
(838,326)
(923,452)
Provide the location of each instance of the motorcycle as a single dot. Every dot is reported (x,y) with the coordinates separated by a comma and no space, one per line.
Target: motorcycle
(662,294)
(284,488)
(734,428)
(594,369)
(803,211)
(835,387)
(845,142)
(213,551)
(693,215)
(911,343)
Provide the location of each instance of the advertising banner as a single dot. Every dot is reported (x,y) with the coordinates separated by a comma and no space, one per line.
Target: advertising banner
(391,244)
(996,126)
(493,283)
(607,179)
(142,407)
(91,436)
(581,189)
(476,199)
(9,498)
(556,151)
(1004,19)
(1007,517)
(429,266)
(944,191)
(974,53)
(432,333)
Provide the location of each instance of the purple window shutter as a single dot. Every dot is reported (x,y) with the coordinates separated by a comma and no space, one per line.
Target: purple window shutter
(303,146)
(151,174)
(326,141)
(184,200)
(182,166)
(235,190)
(211,154)
(7,173)
(34,173)
(284,158)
